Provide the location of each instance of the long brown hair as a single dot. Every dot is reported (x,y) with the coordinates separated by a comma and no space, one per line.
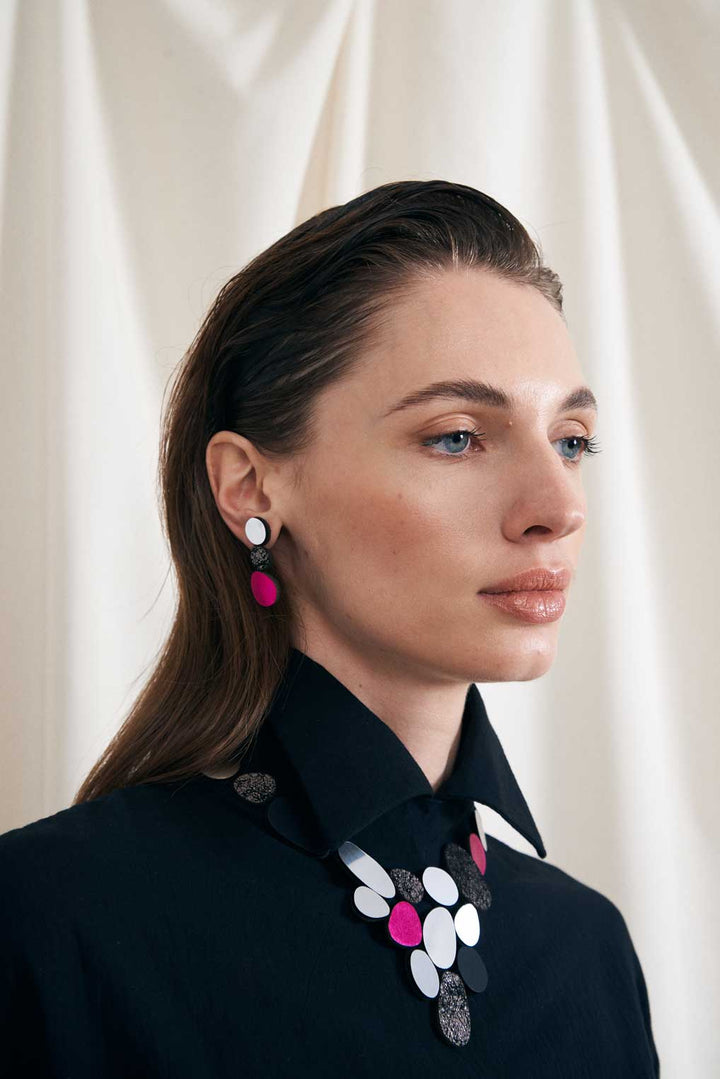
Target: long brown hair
(291,322)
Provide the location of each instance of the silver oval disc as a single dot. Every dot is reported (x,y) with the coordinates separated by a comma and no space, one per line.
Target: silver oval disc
(255,531)
(366,869)
(440,886)
(467,924)
(369,903)
(439,937)
(424,973)
(479,824)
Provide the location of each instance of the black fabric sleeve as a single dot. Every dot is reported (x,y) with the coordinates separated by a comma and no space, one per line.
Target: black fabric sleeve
(645,1007)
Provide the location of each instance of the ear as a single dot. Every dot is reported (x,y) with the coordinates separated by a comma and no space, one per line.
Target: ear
(237,473)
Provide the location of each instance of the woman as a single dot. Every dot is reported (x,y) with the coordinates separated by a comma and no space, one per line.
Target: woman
(371,467)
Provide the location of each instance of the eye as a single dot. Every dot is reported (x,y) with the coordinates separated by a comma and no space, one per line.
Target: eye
(588,446)
(474,436)
(459,445)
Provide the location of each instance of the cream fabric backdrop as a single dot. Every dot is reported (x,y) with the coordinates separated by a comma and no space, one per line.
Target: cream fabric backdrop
(151,147)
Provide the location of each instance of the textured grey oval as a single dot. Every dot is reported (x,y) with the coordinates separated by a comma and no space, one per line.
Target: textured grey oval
(462,868)
(452,1009)
(255,787)
(408,885)
(424,973)
(439,936)
(366,869)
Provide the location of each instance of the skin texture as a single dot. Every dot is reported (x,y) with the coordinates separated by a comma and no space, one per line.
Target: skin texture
(384,543)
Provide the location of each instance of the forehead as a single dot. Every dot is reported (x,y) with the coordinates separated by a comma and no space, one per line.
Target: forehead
(469,324)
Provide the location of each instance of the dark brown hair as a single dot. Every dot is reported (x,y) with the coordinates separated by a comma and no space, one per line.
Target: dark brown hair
(294,320)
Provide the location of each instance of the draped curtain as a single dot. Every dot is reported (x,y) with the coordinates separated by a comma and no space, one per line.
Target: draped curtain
(151,147)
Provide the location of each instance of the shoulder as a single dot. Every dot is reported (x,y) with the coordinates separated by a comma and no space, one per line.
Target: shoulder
(47,854)
(149,824)
(583,931)
(563,902)
(79,828)
(83,852)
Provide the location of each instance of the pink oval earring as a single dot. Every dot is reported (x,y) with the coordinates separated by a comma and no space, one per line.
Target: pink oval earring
(265,587)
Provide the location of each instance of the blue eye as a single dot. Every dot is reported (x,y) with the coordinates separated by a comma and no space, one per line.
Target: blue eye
(588,445)
(475,438)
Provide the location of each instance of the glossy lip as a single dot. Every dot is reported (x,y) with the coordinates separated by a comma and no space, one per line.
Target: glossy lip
(537,579)
(530,606)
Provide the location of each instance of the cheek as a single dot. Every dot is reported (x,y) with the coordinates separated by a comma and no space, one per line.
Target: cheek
(387,536)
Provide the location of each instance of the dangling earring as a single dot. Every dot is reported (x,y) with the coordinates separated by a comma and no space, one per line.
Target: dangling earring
(265,587)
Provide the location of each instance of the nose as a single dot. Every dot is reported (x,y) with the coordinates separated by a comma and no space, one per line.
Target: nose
(548,496)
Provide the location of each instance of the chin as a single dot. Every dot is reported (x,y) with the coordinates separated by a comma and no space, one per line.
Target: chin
(516,665)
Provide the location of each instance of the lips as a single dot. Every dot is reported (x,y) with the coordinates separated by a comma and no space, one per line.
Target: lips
(537,579)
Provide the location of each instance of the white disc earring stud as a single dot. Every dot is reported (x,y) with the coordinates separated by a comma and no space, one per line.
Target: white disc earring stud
(257,531)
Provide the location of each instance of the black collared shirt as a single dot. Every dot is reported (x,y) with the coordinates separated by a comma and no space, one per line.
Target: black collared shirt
(185,931)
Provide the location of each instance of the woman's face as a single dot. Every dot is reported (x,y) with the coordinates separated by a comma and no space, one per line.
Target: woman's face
(387,541)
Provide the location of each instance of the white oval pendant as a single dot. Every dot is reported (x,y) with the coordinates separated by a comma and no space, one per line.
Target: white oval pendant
(369,903)
(467,924)
(440,886)
(424,973)
(439,937)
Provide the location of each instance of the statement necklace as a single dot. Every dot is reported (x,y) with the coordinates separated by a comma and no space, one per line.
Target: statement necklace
(440,938)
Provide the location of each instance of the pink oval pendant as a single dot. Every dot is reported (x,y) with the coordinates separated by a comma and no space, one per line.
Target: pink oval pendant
(264,588)
(404,925)
(478,852)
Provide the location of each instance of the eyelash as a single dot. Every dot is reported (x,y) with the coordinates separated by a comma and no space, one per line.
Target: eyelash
(590,445)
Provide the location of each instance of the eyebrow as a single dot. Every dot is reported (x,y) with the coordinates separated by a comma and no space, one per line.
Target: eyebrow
(482,393)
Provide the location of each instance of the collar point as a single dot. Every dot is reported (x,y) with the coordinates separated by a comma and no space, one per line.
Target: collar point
(284,818)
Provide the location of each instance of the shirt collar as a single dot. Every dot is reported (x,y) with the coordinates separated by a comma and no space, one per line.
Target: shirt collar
(353,768)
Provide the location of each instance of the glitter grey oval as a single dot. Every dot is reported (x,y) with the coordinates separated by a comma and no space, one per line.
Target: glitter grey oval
(424,973)
(369,903)
(452,1009)
(472,968)
(461,866)
(439,936)
(366,869)
(467,924)
(440,886)
(260,558)
(408,885)
(255,787)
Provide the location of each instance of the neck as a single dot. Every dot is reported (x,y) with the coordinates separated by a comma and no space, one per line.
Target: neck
(426,716)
